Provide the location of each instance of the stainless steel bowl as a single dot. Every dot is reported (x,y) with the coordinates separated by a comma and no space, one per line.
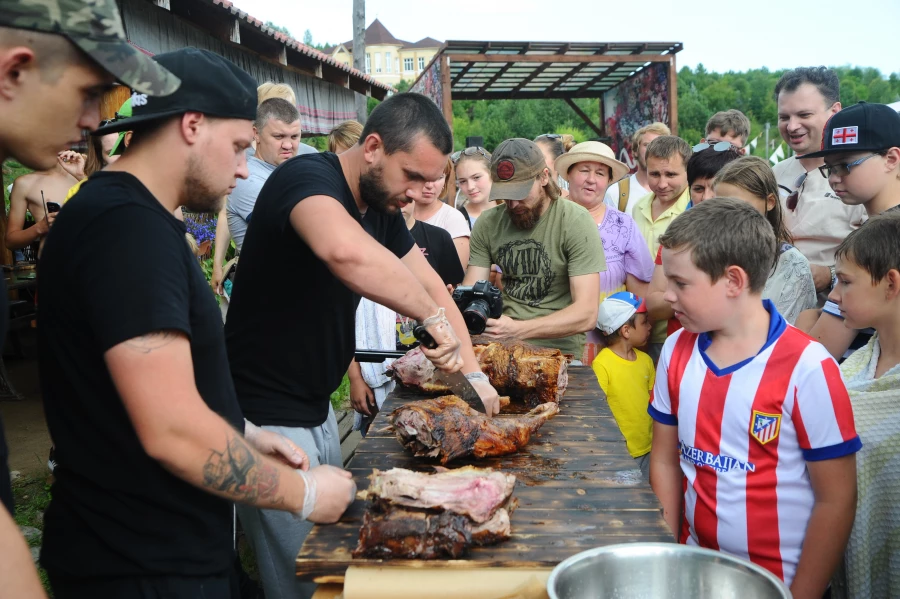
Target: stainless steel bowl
(661,570)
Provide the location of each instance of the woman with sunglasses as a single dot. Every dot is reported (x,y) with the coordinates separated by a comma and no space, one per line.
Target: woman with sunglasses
(588,168)
(473,179)
(554,145)
(432,209)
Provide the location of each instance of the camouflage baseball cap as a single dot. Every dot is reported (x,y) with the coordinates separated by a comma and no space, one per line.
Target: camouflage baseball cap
(95,26)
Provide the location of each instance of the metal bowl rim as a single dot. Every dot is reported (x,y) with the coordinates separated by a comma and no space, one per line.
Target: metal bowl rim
(667,547)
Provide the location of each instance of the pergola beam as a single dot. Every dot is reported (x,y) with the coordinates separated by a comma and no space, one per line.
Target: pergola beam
(559,58)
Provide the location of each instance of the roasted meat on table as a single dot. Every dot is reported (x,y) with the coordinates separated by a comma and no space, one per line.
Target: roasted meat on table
(523,371)
(428,516)
(447,428)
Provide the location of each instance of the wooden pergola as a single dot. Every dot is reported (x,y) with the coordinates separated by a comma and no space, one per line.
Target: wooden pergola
(482,70)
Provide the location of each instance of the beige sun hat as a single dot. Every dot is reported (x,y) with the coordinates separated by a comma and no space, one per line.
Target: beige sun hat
(591,151)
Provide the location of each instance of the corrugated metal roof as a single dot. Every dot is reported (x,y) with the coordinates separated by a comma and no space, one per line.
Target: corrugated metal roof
(528,70)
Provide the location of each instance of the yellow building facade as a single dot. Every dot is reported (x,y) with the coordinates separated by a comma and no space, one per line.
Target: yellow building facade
(388,59)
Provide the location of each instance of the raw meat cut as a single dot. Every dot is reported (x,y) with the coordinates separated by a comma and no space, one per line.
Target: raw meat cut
(473,492)
(447,428)
(523,371)
(428,516)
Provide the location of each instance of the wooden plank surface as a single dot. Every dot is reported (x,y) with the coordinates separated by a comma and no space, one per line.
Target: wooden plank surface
(576,487)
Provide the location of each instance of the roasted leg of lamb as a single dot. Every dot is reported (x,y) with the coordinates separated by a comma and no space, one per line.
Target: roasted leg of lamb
(447,428)
(421,516)
(525,372)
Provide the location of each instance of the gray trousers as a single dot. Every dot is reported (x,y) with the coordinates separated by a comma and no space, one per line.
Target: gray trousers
(276,536)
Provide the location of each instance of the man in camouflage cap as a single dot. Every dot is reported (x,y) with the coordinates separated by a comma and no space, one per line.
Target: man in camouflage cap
(57,57)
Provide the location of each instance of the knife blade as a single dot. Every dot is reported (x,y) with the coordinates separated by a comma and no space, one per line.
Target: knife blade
(457,381)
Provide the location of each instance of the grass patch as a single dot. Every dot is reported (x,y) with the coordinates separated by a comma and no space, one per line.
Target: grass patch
(11,171)
(340,399)
(32,498)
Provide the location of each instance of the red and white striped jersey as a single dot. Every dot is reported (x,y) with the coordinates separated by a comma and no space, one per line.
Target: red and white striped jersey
(745,434)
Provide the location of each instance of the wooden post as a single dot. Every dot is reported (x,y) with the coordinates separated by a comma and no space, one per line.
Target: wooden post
(359,55)
(673,96)
(602,117)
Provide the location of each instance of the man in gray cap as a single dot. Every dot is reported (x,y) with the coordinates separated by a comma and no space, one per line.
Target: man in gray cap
(56,58)
(549,252)
(151,445)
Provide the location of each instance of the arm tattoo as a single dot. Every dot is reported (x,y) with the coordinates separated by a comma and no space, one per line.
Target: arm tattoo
(152,341)
(238,472)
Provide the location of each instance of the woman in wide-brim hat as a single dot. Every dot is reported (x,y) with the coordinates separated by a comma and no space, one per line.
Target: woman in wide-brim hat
(589,168)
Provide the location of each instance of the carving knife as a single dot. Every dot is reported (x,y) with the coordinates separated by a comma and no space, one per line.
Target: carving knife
(457,381)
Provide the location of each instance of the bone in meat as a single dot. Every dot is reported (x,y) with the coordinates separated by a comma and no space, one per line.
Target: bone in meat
(447,428)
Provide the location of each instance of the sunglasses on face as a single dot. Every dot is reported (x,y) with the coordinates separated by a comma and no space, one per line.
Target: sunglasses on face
(842,170)
(794,197)
(470,151)
(717,146)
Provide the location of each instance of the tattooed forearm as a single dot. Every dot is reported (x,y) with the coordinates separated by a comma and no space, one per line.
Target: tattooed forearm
(152,341)
(237,471)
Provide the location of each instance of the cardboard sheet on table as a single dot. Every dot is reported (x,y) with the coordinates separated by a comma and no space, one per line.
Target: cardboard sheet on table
(445,583)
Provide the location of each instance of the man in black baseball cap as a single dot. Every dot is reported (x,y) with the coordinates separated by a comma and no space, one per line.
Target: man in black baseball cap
(151,445)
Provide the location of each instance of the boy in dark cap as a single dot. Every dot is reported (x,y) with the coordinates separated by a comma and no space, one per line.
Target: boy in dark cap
(861,148)
(151,445)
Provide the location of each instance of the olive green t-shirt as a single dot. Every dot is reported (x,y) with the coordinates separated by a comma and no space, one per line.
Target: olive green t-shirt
(537,263)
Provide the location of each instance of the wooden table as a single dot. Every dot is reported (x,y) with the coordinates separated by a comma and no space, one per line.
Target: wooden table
(577,488)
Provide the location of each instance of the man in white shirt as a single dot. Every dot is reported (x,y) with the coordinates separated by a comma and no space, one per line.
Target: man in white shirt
(816,218)
(624,194)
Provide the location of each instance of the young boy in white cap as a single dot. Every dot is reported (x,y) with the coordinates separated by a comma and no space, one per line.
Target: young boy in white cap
(625,373)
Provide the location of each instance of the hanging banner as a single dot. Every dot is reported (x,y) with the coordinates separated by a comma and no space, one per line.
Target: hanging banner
(429,84)
(636,102)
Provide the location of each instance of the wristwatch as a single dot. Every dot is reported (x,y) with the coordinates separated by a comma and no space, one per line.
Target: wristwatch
(833,272)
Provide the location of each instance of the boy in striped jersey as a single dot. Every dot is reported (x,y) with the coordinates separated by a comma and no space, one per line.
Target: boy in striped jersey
(753,441)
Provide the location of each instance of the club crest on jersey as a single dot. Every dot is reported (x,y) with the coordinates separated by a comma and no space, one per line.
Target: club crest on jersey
(765,427)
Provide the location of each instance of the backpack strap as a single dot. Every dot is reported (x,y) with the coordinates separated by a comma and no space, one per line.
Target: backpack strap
(624,185)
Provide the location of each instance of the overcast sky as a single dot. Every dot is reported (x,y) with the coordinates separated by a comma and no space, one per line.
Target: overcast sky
(723,35)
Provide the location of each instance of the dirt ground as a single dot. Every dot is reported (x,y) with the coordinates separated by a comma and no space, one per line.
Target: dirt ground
(26,430)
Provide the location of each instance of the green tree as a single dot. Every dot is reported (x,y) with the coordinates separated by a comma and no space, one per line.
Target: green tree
(280,28)
(307,37)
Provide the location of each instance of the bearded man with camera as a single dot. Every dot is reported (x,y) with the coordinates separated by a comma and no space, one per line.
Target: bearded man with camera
(548,250)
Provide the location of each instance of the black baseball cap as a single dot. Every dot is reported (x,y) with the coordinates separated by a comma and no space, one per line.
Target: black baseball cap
(863,127)
(210,84)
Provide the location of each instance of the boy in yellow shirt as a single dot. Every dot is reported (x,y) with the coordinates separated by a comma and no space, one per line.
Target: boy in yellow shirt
(626,374)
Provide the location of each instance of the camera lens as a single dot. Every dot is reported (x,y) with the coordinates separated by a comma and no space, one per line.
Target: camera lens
(476,315)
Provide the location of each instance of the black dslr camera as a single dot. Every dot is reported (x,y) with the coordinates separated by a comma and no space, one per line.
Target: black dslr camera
(478,303)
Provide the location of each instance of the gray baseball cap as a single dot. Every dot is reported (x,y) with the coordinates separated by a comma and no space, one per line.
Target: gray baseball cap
(515,164)
(95,26)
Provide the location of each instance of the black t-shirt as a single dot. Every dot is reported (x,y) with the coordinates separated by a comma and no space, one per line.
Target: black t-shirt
(437,247)
(290,329)
(6,495)
(116,267)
